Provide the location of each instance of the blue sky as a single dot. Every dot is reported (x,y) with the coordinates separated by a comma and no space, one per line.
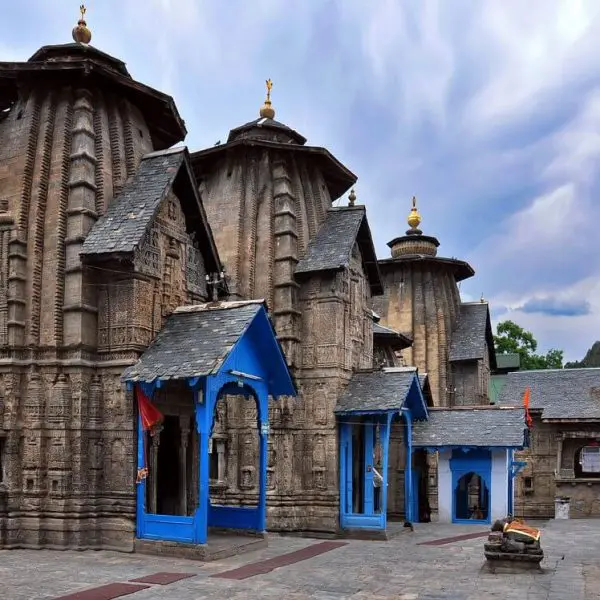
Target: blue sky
(488,112)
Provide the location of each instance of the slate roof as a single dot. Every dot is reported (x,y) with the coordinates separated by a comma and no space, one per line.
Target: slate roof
(558,393)
(472,331)
(375,391)
(382,330)
(194,341)
(504,427)
(269,124)
(386,334)
(331,249)
(121,229)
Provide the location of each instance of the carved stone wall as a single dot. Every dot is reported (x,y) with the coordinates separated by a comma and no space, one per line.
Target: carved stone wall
(469,383)
(264,207)
(550,471)
(67,333)
(422,301)
(541,458)
(303,487)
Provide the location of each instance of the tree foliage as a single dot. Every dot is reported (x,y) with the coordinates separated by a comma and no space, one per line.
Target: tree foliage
(512,338)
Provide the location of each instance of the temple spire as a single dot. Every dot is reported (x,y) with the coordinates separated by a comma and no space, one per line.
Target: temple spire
(266,110)
(414,218)
(81,33)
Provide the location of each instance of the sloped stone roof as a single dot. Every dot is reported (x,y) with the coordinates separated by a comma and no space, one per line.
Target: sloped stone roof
(265,126)
(121,229)
(386,335)
(557,393)
(194,341)
(503,427)
(375,391)
(469,337)
(331,249)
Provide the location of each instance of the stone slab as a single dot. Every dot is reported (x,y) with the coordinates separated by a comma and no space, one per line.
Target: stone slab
(105,592)
(163,578)
(219,547)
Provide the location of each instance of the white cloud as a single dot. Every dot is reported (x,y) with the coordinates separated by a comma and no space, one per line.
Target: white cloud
(452,93)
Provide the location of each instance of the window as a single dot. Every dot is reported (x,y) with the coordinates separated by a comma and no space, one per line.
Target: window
(587,461)
(527,485)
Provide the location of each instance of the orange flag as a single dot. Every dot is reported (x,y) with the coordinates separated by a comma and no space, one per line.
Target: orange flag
(528,418)
(150,415)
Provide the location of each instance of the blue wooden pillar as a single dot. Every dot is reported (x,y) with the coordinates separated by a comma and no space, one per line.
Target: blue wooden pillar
(141,485)
(369,432)
(205,401)
(408,472)
(345,471)
(510,457)
(263,428)
(385,447)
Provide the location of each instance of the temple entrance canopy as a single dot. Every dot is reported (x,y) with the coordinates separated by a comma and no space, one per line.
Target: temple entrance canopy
(475,449)
(202,354)
(365,412)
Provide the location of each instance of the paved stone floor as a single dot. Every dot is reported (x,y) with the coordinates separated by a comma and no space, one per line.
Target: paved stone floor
(401,568)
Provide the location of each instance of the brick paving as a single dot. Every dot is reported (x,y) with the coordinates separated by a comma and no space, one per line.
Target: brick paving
(401,569)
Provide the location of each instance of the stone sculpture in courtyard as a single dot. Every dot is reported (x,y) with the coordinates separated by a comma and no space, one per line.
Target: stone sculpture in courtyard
(513,545)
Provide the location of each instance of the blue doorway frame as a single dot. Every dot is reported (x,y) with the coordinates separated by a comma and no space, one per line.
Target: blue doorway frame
(477,462)
(254,366)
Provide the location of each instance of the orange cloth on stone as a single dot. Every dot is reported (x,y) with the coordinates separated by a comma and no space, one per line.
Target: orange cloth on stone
(522,529)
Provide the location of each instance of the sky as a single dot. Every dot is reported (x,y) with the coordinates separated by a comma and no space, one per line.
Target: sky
(487,111)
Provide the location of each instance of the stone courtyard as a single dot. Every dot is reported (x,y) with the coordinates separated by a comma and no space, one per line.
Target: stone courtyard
(436,562)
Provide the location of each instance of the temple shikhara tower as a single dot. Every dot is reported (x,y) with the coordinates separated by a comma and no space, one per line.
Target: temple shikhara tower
(199,341)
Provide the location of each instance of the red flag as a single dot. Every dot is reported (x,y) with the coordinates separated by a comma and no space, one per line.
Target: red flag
(528,418)
(150,415)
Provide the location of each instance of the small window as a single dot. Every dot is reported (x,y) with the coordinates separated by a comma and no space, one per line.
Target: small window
(527,485)
(587,461)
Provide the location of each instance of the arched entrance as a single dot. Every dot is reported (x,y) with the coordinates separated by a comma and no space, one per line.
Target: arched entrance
(202,353)
(471,486)
(249,509)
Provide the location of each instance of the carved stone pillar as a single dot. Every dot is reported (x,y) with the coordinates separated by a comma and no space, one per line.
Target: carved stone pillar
(285,313)
(153,471)
(184,428)
(79,315)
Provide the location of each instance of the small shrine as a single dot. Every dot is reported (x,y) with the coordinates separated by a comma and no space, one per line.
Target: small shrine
(203,354)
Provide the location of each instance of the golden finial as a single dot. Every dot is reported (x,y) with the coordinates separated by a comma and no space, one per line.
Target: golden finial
(414,218)
(352,197)
(81,33)
(482,299)
(266,110)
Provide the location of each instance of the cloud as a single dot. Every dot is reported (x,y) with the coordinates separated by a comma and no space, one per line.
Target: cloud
(556,307)
(487,112)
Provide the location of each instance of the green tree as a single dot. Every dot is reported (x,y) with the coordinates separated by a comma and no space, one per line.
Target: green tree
(512,338)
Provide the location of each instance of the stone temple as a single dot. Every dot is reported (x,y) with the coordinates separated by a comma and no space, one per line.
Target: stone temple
(303,384)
